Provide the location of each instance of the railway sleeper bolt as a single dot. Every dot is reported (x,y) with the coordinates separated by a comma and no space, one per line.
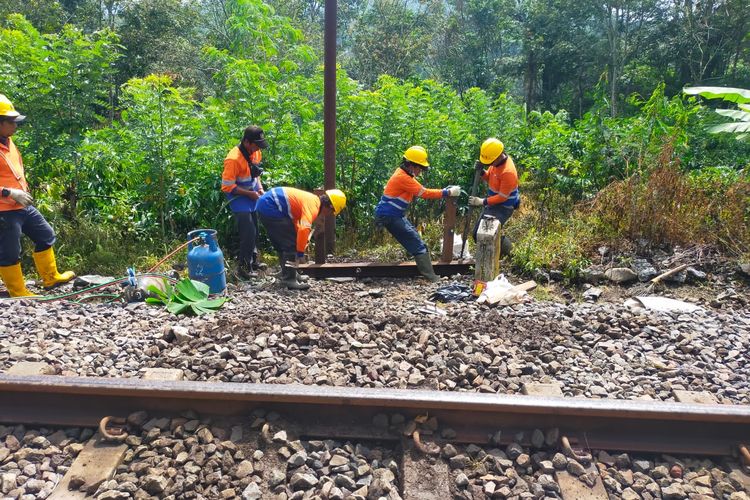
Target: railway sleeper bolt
(577,454)
(113,429)
(426,448)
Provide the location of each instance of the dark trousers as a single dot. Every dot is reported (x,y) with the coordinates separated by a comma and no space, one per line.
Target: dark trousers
(247,228)
(404,232)
(283,235)
(497,211)
(26,221)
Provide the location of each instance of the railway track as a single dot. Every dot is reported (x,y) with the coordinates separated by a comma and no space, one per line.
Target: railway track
(416,426)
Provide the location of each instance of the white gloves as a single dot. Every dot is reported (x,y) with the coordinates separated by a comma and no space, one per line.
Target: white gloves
(454,190)
(476,201)
(21,197)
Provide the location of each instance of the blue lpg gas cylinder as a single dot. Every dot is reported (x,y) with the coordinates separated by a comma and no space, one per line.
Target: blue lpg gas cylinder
(206,261)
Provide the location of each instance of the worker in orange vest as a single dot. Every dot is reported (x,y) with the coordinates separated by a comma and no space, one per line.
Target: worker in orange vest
(288,214)
(240,182)
(503,197)
(18,215)
(400,190)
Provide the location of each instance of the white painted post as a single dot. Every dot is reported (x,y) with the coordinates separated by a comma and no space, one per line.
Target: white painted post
(487,259)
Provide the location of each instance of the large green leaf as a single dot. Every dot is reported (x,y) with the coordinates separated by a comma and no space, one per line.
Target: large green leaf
(192,290)
(726,93)
(735,114)
(187,296)
(732,127)
(177,307)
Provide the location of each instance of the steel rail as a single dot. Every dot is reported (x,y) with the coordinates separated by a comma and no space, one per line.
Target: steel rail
(331,411)
(382,270)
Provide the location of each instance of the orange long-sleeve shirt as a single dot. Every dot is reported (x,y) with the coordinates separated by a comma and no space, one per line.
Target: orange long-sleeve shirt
(300,206)
(400,191)
(11,174)
(502,184)
(237,174)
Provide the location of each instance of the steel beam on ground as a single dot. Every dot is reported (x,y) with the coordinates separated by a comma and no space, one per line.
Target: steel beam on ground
(645,426)
(381,270)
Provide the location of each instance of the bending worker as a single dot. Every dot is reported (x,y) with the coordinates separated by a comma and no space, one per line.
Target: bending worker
(288,215)
(18,215)
(240,181)
(400,190)
(502,186)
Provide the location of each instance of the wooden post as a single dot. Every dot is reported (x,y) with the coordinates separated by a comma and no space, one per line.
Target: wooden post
(320,234)
(487,258)
(449,223)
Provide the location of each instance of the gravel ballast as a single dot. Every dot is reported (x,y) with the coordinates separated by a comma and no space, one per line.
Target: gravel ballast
(374,335)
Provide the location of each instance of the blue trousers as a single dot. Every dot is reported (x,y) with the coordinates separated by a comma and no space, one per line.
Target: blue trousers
(283,235)
(247,228)
(29,222)
(404,232)
(497,211)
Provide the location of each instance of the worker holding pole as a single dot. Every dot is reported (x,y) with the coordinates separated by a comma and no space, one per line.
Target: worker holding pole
(503,197)
(18,215)
(400,190)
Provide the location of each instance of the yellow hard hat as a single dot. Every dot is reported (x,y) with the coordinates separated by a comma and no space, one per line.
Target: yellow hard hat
(418,155)
(490,150)
(7,109)
(338,200)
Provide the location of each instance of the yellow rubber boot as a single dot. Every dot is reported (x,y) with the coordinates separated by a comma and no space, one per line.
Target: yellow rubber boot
(47,268)
(13,278)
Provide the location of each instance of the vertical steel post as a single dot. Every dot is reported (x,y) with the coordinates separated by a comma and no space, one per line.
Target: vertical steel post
(449,224)
(320,236)
(329,114)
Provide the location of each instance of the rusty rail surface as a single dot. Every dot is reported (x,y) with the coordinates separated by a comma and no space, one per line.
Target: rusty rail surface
(347,412)
(382,270)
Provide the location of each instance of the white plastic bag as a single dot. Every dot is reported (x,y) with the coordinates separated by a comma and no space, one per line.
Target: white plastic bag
(501,291)
(457,243)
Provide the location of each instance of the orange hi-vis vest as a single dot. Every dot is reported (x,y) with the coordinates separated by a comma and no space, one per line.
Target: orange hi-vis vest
(502,185)
(400,191)
(300,206)
(237,174)
(11,174)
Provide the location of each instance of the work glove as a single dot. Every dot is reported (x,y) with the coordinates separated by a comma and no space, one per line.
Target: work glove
(21,197)
(478,165)
(453,190)
(476,201)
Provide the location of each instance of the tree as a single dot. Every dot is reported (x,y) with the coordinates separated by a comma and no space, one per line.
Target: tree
(47,16)
(389,38)
(160,36)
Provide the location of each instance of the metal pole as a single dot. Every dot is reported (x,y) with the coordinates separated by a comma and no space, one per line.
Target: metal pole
(320,236)
(329,114)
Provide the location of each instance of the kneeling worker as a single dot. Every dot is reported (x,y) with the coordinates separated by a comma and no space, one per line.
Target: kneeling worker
(400,190)
(288,215)
(501,177)
(18,215)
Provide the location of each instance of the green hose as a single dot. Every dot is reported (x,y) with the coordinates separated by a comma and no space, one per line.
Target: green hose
(64,296)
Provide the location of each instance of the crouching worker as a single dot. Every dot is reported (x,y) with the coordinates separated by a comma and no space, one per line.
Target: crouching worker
(288,215)
(18,215)
(400,190)
(503,197)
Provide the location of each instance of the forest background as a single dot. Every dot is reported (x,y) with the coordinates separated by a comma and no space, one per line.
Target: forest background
(133,105)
